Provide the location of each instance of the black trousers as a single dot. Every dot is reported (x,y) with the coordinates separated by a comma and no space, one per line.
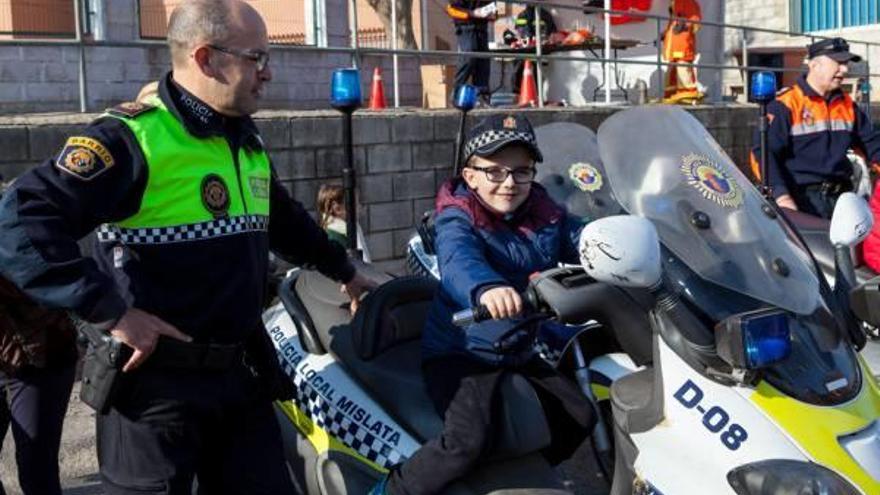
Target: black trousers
(473,38)
(464,392)
(33,402)
(169,426)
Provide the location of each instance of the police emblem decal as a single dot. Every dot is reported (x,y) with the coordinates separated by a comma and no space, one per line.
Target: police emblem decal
(585,177)
(84,158)
(510,122)
(215,195)
(711,180)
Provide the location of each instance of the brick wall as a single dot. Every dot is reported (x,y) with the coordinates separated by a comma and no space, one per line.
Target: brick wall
(401,157)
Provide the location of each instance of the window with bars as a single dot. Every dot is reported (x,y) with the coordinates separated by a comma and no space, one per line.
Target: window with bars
(819,15)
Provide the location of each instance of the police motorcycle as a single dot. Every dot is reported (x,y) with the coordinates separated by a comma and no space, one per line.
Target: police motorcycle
(755,385)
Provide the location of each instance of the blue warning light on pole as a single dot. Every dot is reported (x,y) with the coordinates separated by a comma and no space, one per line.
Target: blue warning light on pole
(763,86)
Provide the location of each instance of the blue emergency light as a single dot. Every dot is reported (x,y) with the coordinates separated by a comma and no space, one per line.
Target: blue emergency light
(763,86)
(755,339)
(465,97)
(345,89)
(767,339)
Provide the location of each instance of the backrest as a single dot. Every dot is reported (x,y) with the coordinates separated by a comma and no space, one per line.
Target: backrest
(392,314)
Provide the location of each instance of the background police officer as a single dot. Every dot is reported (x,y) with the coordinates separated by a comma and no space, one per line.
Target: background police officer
(812,125)
(471,19)
(190,208)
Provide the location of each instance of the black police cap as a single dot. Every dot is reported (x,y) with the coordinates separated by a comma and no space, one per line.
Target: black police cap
(835,48)
(497,131)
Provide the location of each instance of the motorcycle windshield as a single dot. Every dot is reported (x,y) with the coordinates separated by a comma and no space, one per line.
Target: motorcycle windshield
(663,165)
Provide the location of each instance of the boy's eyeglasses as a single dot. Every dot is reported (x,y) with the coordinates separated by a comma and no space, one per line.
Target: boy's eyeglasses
(521,175)
(258,57)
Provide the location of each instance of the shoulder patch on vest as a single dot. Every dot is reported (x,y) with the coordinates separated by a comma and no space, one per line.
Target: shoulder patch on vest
(84,158)
(130,109)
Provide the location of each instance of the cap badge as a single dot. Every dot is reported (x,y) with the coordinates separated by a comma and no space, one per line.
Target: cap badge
(510,122)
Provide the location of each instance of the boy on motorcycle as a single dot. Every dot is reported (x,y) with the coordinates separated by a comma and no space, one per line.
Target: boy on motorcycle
(494,228)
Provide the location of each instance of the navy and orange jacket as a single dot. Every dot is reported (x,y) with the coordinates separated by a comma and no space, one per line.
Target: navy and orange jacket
(809,136)
(460,11)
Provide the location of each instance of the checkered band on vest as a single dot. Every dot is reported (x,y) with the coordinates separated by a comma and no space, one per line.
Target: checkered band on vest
(328,417)
(493,136)
(184,233)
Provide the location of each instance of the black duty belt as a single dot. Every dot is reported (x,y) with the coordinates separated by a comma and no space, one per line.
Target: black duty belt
(177,354)
(830,187)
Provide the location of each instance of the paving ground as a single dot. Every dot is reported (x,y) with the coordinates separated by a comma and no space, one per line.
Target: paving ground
(79,467)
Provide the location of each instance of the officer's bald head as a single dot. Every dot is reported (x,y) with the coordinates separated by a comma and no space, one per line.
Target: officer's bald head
(201,22)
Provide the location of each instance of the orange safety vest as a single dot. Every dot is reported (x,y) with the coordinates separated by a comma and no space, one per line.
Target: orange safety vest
(682,46)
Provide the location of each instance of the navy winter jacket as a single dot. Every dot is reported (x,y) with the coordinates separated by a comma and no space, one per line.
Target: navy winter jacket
(478,249)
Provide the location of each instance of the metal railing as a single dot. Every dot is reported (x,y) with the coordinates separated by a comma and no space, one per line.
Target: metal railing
(367,42)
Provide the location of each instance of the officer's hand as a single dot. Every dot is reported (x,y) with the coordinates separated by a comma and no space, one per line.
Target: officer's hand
(502,302)
(357,286)
(786,201)
(140,331)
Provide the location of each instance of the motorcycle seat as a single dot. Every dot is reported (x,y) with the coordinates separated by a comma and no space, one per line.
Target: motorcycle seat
(382,350)
(815,233)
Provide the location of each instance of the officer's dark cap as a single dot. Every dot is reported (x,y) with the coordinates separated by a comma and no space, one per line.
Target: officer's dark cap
(491,134)
(835,48)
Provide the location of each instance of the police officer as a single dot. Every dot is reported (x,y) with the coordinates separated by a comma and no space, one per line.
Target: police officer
(188,208)
(812,125)
(471,19)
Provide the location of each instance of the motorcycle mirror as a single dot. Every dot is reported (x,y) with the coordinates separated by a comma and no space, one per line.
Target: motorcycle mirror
(864,301)
(851,221)
(621,250)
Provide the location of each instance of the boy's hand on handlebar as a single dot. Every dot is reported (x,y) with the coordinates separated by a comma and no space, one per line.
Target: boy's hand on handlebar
(502,302)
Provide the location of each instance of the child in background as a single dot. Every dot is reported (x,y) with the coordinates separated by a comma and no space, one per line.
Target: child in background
(331,217)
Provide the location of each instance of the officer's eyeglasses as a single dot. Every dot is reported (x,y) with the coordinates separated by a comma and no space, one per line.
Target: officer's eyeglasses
(521,175)
(258,57)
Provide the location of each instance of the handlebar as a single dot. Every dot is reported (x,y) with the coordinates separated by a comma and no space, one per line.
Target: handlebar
(470,316)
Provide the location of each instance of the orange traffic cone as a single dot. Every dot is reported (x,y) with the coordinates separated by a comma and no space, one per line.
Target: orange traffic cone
(377,92)
(528,90)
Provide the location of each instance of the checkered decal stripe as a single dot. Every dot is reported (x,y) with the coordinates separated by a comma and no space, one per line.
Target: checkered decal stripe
(495,136)
(184,233)
(327,417)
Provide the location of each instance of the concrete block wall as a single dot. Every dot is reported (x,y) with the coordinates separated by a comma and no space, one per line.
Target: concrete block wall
(401,156)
